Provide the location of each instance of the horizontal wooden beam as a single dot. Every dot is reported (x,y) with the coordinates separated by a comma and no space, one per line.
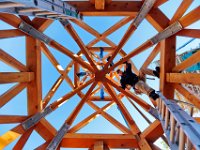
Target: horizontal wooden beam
(97,49)
(188,78)
(195,58)
(98,98)
(5,119)
(87,140)
(194,33)
(116,8)
(10,33)
(9,77)
(153,132)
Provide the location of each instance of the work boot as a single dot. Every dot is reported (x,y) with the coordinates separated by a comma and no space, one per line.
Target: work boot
(153,95)
(156,72)
(80,74)
(111,64)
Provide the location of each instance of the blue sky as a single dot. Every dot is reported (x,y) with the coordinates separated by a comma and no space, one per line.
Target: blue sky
(49,74)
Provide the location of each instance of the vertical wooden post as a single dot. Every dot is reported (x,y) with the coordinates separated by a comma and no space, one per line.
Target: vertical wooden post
(167,62)
(33,61)
(98,145)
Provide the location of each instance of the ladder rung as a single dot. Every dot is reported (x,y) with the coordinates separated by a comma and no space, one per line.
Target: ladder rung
(10,4)
(163,111)
(166,118)
(188,145)
(172,131)
(181,140)
(44,13)
(32,9)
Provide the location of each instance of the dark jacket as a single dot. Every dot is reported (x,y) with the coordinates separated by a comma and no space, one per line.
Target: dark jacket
(128,77)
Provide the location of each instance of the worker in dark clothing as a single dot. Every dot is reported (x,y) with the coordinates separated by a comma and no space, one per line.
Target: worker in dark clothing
(129,79)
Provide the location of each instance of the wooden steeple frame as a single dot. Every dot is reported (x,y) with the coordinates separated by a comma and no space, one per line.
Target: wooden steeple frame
(29,75)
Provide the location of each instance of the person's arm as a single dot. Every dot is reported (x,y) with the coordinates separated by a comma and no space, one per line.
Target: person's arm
(128,67)
(123,85)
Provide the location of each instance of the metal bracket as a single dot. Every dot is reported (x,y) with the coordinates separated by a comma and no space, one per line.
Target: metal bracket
(146,7)
(34,33)
(57,139)
(30,122)
(169,31)
(64,22)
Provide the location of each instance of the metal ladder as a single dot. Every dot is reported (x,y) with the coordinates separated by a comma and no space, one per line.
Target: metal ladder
(51,9)
(181,130)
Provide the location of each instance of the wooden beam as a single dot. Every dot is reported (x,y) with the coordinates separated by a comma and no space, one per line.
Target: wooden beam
(143,144)
(91,30)
(45,129)
(194,33)
(111,30)
(11,61)
(188,78)
(73,56)
(23,139)
(132,125)
(191,17)
(10,19)
(6,119)
(34,88)
(112,120)
(116,8)
(158,19)
(153,132)
(87,140)
(88,119)
(75,112)
(133,53)
(10,33)
(92,1)
(160,2)
(122,42)
(12,92)
(76,78)
(10,77)
(153,54)
(189,96)
(100,4)
(80,43)
(41,24)
(64,98)
(195,58)
(181,10)
(168,54)
(98,145)
(10,136)
(97,49)
(98,98)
